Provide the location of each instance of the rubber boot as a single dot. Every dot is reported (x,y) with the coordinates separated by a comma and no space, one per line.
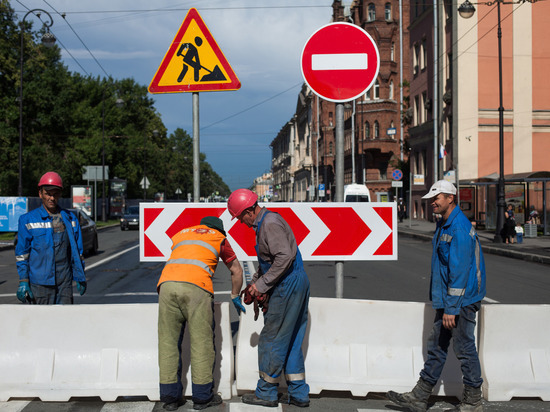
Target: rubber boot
(415,400)
(471,400)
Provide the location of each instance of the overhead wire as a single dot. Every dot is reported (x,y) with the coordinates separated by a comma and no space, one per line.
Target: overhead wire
(79,38)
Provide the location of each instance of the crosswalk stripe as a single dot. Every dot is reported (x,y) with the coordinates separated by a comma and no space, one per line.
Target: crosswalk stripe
(13,406)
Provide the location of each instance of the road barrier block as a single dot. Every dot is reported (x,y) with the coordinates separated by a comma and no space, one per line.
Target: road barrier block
(62,351)
(359,346)
(514,351)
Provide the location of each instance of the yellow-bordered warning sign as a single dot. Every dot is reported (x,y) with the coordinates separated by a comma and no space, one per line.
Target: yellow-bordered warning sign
(194,62)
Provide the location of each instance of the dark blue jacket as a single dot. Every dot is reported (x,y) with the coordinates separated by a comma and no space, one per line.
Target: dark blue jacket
(458,267)
(34,251)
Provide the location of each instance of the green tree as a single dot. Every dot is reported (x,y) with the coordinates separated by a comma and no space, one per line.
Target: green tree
(70,121)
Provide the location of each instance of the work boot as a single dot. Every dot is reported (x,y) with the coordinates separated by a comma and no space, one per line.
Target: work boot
(173,406)
(415,400)
(286,398)
(216,400)
(471,401)
(252,399)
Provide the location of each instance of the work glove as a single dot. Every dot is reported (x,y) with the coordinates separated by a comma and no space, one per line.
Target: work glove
(81,287)
(236,299)
(23,291)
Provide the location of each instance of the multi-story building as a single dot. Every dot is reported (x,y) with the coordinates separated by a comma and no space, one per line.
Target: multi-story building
(305,148)
(429,114)
(454,131)
(263,187)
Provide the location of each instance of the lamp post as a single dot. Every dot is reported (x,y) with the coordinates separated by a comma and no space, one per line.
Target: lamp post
(467,10)
(119,103)
(48,40)
(155,134)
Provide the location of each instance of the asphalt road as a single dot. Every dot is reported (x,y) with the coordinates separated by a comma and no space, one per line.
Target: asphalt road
(115,275)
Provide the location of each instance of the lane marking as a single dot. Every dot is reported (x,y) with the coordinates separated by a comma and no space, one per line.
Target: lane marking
(340,61)
(489,300)
(96,264)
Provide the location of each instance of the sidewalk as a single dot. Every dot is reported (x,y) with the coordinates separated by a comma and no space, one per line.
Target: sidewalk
(532,249)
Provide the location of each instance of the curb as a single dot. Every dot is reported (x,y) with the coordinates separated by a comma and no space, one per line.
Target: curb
(531,257)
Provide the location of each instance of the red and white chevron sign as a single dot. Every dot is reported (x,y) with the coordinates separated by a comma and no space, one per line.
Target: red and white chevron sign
(323,231)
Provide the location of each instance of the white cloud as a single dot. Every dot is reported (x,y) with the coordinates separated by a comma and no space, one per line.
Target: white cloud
(262,41)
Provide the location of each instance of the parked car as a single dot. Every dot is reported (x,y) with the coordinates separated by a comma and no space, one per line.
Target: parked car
(89,231)
(130,219)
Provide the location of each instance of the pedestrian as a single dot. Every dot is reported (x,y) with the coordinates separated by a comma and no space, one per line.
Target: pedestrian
(519,233)
(401,210)
(49,249)
(509,228)
(280,274)
(533,216)
(457,288)
(186,295)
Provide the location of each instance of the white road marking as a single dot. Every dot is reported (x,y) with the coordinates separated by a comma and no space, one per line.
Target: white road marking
(13,406)
(342,61)
(489,300)
(93,265)
(243,407)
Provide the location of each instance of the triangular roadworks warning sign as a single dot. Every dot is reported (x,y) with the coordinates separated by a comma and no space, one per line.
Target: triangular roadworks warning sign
(194,62)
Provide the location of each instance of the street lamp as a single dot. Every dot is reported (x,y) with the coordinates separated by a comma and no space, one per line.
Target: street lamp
(48,40)
(119,103)
(155,134)
(467,10)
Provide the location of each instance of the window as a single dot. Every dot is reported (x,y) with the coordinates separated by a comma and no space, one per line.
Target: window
(367,130)
(391,90)
(330,149)
(424,62)
(391,127)
(330,122)
(371,12)
(417,119)
(376,129)
(425,106)
(416,57)
(392,52)
(387,12)
(376,90)
(367,95)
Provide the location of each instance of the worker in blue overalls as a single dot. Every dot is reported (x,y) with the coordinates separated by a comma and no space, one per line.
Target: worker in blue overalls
(49,249)
(281,274)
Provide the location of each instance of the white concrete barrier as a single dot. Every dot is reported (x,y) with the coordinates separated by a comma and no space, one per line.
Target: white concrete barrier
(57,352)
(515,351)
(360,346)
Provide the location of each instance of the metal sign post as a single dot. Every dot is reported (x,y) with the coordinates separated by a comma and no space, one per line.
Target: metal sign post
(340,62)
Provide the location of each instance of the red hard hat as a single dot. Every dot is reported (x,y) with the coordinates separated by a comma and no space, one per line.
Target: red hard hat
(240,200)
(51,179)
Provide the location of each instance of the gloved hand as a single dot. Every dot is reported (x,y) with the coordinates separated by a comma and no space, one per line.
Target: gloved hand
(23,290)
(81,287)
(236,299)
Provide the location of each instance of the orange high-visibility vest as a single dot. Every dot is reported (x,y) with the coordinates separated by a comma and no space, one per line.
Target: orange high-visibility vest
(194,258)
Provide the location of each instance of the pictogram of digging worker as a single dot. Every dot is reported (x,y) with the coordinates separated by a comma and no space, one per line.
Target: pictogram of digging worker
(190,59)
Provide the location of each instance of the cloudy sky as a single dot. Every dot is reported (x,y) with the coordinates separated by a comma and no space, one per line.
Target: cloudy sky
(261,39)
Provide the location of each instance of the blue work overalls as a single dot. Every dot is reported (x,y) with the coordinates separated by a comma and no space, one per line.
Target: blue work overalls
(285,323)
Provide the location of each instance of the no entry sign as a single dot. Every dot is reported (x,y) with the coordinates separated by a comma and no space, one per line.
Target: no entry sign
(323,231)
(340,62)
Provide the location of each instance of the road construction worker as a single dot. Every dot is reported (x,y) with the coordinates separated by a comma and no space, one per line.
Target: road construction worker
(186,295)
(281,274)
(49,249)
(456,290)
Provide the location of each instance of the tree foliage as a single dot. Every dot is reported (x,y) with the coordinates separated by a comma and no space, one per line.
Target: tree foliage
(70,121)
